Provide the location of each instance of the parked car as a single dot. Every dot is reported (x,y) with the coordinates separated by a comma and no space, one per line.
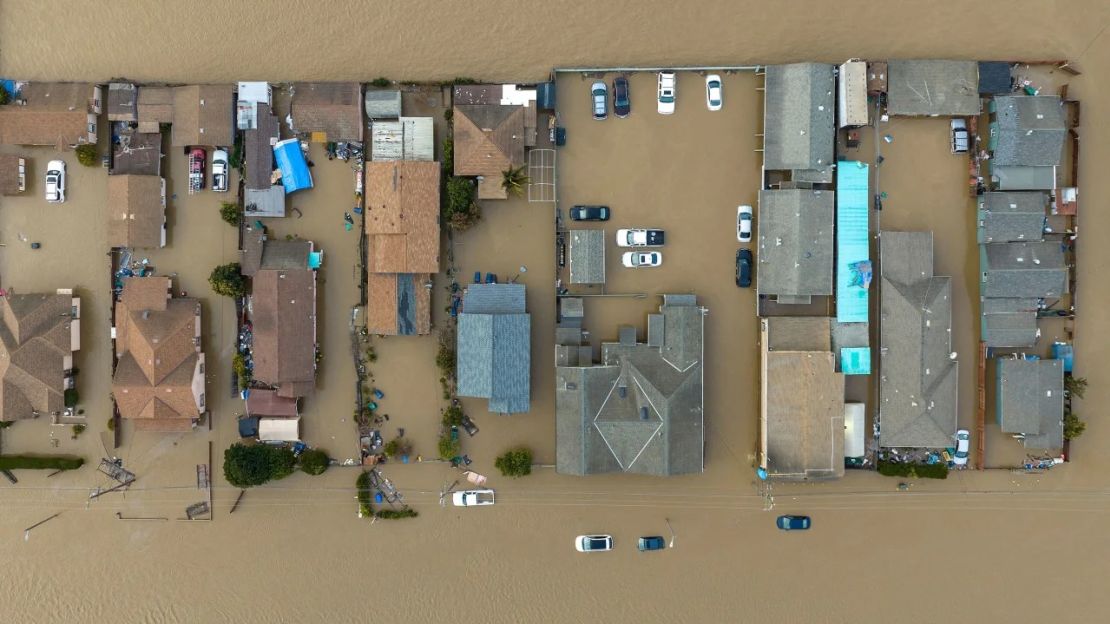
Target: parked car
(744,223)
(638,259)
(473,498)
(653,542)
(793,523)
(744,268)
(640,238)
(714,95)
(667,92)
(960,137)
(196,168)
(56,181)
(963,446)
(589,213)
(593,543)
(622,103)
(600,94)
(219,170)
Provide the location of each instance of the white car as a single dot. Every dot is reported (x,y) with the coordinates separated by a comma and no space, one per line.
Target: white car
(963,445)
(56,181)
(667,92)
(593,543)
(637,259)
(744,223)
(640,238)
(960,137)
(219,170)
(473,498)
(714,95)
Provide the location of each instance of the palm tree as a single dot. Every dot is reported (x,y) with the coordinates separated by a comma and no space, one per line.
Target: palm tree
(513,180)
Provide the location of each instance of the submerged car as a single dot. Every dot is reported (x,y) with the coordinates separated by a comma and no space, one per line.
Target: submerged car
(219,170)
(640,259)
(963,446)
(197,158)
(960,137)
(744,223)
(593,543)
(600,94)
(744,268)
(640,238)
(652,542)
(793,523)
(56,181)
(714,95)
(667,92)
(473,498)
(622,104)
(589,213)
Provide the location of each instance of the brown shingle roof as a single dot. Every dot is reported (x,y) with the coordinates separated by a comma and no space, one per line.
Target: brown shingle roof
(258,151)
(155,106)
(121,102)
(136,215)
(56,113)
(9,174)
(203,115)
(34,341)
(392,310)
(60,96)
(402,216)
(283,311)
(489,138)
(334,108)
(262,402)
(146,293)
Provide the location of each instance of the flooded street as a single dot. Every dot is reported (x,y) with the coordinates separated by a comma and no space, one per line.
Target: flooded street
(295,551)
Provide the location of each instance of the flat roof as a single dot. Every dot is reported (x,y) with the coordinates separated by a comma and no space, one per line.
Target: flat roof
(795,253)
(933,87)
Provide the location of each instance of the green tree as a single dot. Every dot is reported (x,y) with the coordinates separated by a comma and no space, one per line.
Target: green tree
(515,462)
(314,461)
(86,154)
(445,356)
(1076,386)
(1073,426)
(5,97)
(247,466)
(447,161)
(230,213)
(459,196)
(226,280)
(452,416)
(448,446)
(513,180)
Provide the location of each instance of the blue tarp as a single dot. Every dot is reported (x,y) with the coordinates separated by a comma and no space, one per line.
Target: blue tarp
(853,266)
(1063,351)
(294,169)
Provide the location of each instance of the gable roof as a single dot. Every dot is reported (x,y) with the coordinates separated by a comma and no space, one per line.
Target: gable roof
(35,339)
(799,124)
(1030,400)
(933,87)
(1034,269)
(918,387)
(264,402)
(333,108)
(494,347)
(258,151)
(55,113)
(203,115)
(283,311)
(1030,130)
(154,107)
(1012,216)
(402,217)
(136,212)
(11,175)
(795,242)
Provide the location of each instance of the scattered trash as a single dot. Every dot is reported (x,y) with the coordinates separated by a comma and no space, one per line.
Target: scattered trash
(888,138)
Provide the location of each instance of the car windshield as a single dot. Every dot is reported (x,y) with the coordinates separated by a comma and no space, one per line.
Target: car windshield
(666,99)
(630,237)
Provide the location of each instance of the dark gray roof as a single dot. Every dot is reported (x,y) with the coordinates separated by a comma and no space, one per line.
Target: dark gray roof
(1005,217)
(286,255)
(587,256)
(795,255)
(1009,329)
(933,87)
(918,381)
(994,78)
(383,104)
(1030,130)
(258,150)
(1018,178)
(799,116)
(1030,400)
(494,347)
(640,410)
(1022,270)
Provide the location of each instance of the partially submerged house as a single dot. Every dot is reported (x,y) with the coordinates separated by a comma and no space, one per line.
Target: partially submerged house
(123,102)
(494,347)
(382,104)
(59,114)
(275,418)
(254,99)
(1011,217)
(155,107)
(1027,135)
(13,174)
(493,125)
(39,333)
(918,381)
(1029,400)
(799,122)
(933,88)
(262,196)
(402,230)
(407,138)
(795,257)
(159,378)
(586,256)
(327,111)
(1033,269)
(136,211)
(203,115)
(639,410)
(801,400)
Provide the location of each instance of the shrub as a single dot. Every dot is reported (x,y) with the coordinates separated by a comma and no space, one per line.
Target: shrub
(31,462)
(380,82)
(447,161)
(314,461)
(249,465)
(924,471)
(515,462)
(448,446)
(5,97)
(86,154)
(226,280)
(229,212)
(1075,386)
(235,160)
(445,356)
(462,80)
(397,514)
(78,430)
(363,487)
(1073,426)
(459,205)
(239,365)
(462,221)
(70,397)
(452,416)
(112,424)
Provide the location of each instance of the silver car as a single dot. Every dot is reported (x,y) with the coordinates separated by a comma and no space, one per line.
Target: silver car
(600,93)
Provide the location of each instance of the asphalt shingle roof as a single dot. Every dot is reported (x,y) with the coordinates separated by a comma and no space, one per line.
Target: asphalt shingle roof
(795,254)
(1022,270)
(1005,217)
(1030,130)
(799,124)
(1030,400)
(494,347)
(933,87)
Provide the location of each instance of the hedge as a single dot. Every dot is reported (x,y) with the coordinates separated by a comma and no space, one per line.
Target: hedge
(924,471)
(29,462)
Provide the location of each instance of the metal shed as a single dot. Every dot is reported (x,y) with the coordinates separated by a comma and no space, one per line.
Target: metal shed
(409,138)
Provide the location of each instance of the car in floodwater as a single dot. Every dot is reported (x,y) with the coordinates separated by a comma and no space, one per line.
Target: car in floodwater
(714,94)
(744,262)
(56,181)
(642,259)
(622,102)
(219,170)
(589,213)
(652,542)
(640,238)
(744,223)
(667,92)
(961,139)
(473,498)
(963,447)
(593,543)
(600,94)
(793,523)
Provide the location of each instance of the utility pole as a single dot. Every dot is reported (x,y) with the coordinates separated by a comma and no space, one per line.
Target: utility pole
(667,520)
(27,531)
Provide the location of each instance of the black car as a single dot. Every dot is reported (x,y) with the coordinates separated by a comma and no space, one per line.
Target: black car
(589,213)
(622,105)
(744,268)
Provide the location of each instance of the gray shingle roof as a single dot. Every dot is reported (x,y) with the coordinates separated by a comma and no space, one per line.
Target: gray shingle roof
(1005,217)
(933,87)
(383,104)
(494,299)
(1022,270)
(918,381)
(798,121)
(795,255)
(1030,400)
(587,256)
(637,411)
(1030,130)
(1017,178)
(1009,329)
(494,347)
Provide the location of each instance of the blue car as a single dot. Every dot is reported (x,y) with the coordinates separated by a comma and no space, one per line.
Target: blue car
(653,542)
(793,523)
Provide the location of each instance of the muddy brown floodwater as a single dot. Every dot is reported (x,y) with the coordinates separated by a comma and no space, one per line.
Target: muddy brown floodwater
(986,546)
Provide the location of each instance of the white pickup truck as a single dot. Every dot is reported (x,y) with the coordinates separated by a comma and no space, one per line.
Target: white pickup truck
(473,498)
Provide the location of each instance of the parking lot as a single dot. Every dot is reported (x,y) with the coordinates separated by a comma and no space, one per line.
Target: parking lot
(685,173)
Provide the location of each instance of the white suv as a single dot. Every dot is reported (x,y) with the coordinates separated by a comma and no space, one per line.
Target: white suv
(667,92)
(56,181)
